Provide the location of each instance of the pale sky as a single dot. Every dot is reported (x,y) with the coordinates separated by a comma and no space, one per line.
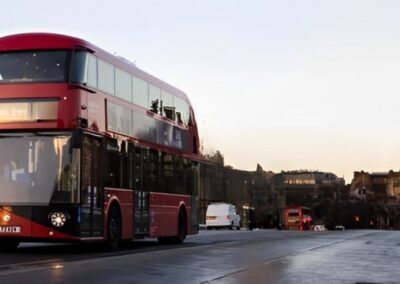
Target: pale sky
(286,84)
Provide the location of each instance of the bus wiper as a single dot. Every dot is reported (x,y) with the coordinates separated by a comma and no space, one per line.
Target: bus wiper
(16,80)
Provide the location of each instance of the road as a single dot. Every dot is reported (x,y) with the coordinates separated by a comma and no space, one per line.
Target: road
(264,256)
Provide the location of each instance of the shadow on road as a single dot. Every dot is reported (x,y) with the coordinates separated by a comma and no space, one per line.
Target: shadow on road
(31,253)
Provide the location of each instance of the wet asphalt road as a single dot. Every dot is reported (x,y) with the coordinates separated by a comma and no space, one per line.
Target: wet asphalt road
(265,256)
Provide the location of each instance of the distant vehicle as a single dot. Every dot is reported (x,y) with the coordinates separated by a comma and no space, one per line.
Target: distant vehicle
(339,228)
(222,215)
(320,228)
(297,218)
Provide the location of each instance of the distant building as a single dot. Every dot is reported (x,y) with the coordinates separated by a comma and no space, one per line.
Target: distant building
(308,188)
(372,200)
(211,187)
(249,191)
(380,192)
(376,186)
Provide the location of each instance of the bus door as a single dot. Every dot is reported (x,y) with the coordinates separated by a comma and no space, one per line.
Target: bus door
(92,192)
(141,196)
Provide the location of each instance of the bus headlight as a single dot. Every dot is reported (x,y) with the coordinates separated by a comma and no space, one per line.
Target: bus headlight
(58,219)
(6,218)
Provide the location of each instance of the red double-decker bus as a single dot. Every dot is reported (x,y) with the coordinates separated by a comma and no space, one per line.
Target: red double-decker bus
(297,218)
(91,147)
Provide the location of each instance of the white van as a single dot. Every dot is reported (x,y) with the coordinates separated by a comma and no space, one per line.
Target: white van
(221,215)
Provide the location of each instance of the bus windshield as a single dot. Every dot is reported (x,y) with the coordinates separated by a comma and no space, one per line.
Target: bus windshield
(33,66)
(37,169)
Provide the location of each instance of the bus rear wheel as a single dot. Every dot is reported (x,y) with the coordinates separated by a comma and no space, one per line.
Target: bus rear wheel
(182,228)
(182,231)
(9,245)
(114,228)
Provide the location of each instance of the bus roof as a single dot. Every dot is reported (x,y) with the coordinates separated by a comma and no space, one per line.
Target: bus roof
(34,41)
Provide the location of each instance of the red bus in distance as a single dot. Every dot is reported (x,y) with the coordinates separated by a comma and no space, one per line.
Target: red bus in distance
(297,218)
(91,147)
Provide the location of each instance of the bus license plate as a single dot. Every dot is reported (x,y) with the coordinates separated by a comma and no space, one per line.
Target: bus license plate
(10,229)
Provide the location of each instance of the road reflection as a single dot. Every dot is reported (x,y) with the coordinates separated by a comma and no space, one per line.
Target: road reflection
(56,254)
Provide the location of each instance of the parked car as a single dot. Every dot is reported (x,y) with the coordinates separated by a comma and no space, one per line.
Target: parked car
(339,228)
(320,228)
(222,215)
